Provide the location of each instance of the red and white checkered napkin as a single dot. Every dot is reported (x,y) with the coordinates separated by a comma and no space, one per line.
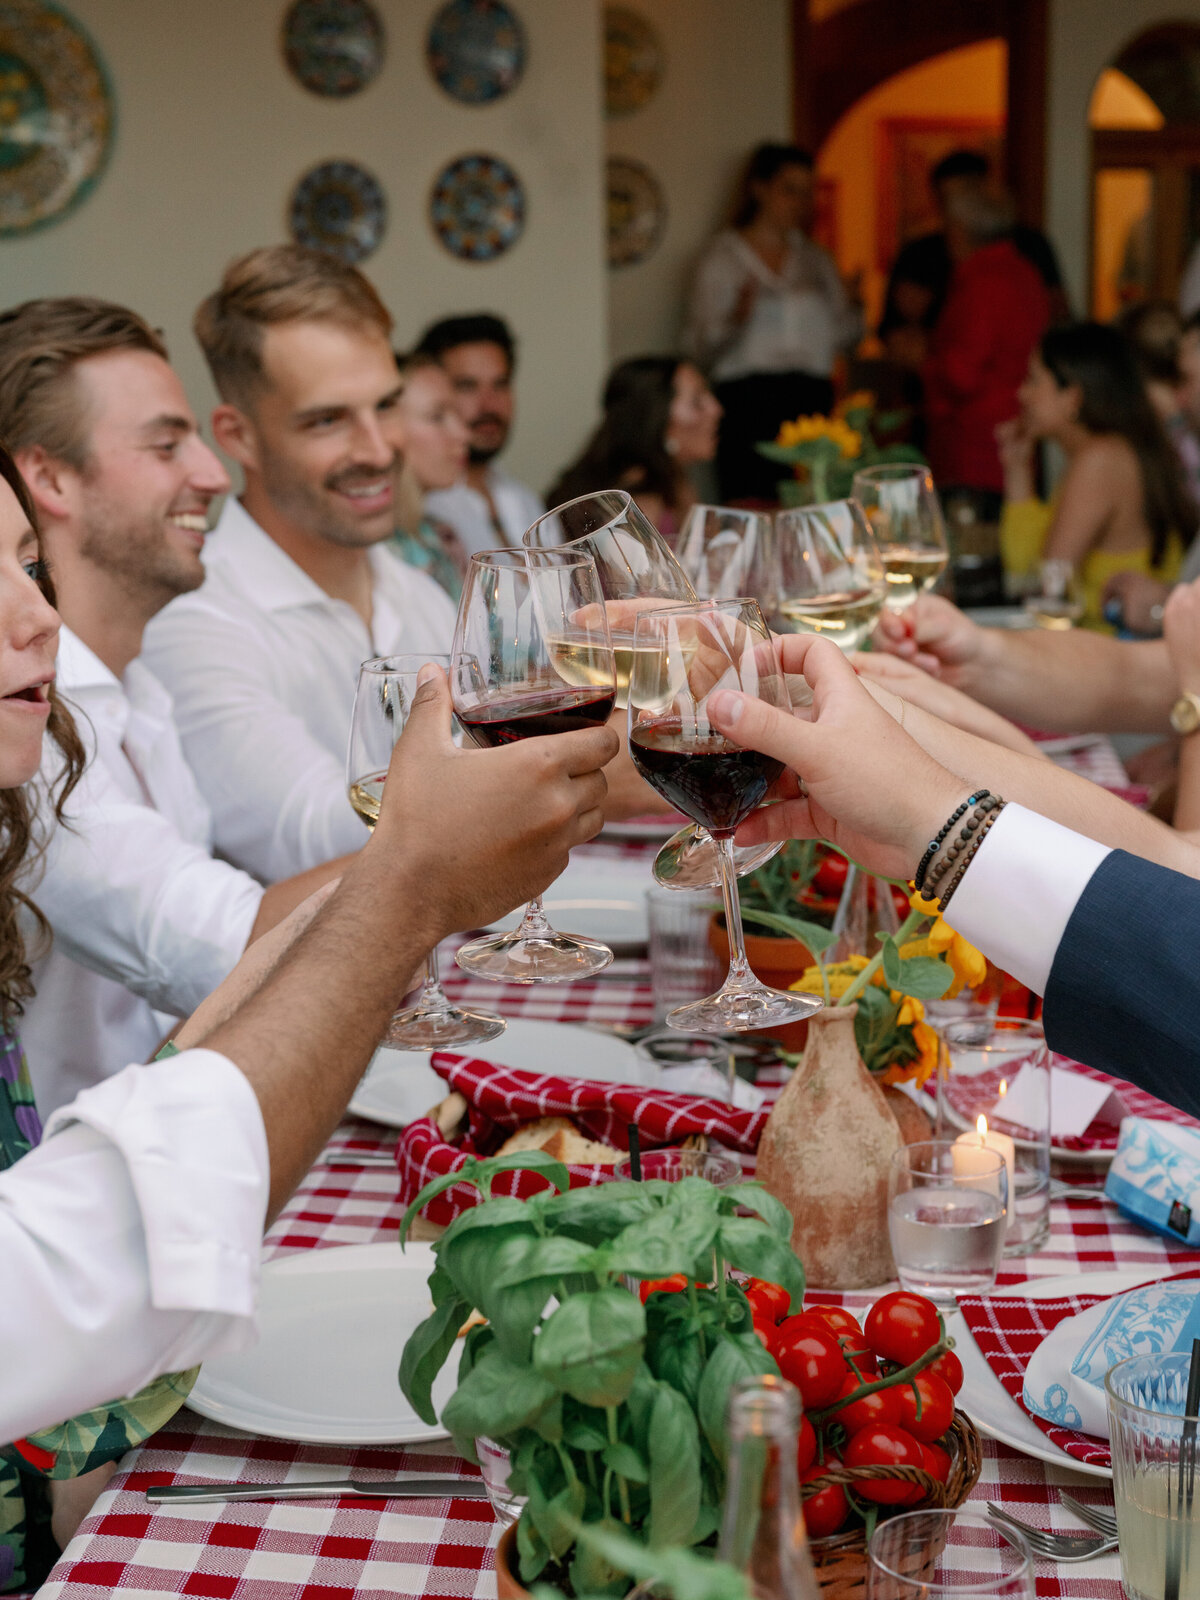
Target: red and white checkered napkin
(502,1097)
(1009,1331)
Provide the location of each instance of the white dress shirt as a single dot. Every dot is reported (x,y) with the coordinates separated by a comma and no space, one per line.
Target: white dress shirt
(801,317)
(130,1238)
(467,511)
(1017,895)
(146,923)
(262,666)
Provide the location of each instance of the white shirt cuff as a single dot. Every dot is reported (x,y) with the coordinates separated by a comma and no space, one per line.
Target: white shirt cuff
(191,1134)
(1017,896)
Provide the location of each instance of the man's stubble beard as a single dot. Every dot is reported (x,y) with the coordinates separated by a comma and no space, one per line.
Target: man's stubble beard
(137,558)
(307,509)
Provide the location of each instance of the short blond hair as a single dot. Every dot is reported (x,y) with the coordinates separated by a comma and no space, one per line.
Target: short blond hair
(279,283)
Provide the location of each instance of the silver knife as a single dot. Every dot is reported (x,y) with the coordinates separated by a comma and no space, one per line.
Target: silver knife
(444,1488)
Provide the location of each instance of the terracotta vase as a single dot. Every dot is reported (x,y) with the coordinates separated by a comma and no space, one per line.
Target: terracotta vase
(825,1153)
(508,1583)
(778,962)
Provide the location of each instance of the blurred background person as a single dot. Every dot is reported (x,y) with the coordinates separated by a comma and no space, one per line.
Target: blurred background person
(1122,505)
(660,418)
(435,457)
(489,508)
(768,317)
(996,310)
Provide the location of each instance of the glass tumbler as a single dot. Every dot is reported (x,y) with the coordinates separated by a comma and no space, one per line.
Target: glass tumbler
(946,1555)
(1157,1497)
(683,964)
(987,1066)
(946,1216)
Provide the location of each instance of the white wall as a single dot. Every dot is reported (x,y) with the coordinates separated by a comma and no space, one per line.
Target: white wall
(727,87)
(213,132)
(1085,35)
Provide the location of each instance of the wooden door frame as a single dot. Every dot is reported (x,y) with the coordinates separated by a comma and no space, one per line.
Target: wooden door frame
(1163,151)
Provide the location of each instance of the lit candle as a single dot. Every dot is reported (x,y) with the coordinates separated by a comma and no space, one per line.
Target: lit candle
(967,1144)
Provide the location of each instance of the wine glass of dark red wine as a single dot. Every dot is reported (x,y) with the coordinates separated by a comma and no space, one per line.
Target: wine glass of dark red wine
(681,656)
(386,686)
(532,655)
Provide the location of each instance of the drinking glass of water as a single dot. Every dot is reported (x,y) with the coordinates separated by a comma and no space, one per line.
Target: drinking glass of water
(1155,1489)
(946,1218)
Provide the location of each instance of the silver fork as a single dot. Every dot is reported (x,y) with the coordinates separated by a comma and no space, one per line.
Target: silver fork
(1053,1546)
(1102,1520)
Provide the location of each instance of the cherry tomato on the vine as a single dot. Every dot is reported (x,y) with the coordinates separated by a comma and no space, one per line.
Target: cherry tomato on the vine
(830,876)
(809,1356)
(764,1328)
(838,1318)
(932,1399)
(825,1511)
(880,1407)
(902,1326)
(806,1449)
(851,1340)
(885,1446)
(675,1284)
(773,1300)
(937,1461)
(949,1369)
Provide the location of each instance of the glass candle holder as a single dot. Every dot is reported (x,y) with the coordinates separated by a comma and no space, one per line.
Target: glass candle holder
(946,1218)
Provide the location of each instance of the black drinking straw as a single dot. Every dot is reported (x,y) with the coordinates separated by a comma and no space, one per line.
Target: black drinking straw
(635,1158)
(1187,1468)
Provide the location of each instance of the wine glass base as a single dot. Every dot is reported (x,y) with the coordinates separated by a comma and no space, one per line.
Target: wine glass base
(541,958)
(743,1009)
(415,1029)
(689,859)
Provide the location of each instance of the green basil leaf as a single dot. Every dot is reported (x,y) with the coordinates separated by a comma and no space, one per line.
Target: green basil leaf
(626,1461)
(924,977)
(496,1397)
(750,1246)
(524,1160)
(731,1360)
(679,1238)
(425,1353)
(817,938)
(596,1213)
(755,1198)
(556,1516)
(674,1468)
(472,1257)
(586,1436)
(592,1571)
(591,1345)
(682,1572)
(551,1257)
(436,1186)
(676,1358)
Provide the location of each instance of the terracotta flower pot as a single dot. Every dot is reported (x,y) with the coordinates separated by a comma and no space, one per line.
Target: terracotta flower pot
(508,1584)
(778,962)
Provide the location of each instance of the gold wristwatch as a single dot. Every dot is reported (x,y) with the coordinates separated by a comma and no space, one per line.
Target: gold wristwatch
(1185,713)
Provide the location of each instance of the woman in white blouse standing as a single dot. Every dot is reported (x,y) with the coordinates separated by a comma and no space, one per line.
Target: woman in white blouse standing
(768,317)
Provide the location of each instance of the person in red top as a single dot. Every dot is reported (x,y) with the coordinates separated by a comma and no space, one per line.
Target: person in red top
(996,310)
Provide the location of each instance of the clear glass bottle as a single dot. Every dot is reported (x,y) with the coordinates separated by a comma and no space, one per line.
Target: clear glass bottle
(762,1531)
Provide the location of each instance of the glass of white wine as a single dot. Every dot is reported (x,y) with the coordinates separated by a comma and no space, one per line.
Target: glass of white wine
(727,553)
(905,514)
(386,686)
(830,573)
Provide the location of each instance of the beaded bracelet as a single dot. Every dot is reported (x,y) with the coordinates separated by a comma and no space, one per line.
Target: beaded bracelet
(944,898)
(946,862)
(932,847)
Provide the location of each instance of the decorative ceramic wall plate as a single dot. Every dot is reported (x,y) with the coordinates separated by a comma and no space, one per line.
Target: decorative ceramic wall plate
(637,212)
(477,207)
(333,47)
(340,208)
(633,61)
(476,49)
(56,115)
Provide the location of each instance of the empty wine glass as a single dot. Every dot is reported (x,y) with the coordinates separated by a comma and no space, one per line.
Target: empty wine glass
(727,552)
(532,655)
(634,562)
(905,514)
(386,686)
(830,574)
(681,655)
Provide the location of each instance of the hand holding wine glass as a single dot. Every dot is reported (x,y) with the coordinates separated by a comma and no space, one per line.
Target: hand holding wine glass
(681,657)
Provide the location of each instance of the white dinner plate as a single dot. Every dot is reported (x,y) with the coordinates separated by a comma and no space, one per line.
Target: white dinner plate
(332,1325)
(600,899)
(400,1085)
(983,1396)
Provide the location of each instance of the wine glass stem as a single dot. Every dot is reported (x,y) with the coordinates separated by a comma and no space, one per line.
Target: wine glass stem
(739,966)
(533,923)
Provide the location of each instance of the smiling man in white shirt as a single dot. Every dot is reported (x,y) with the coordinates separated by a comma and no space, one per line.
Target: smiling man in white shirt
(145,921)
(262,662)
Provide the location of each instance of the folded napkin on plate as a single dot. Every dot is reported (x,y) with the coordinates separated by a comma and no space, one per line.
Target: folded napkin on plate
(1155,1177)
(1009,1332)
(501,1098)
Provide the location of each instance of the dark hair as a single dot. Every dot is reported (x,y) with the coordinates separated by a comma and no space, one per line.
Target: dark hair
(18,808)
(481,327)
(1101,361)
(766,162)
(628,449)
(1154,329)
(960,164)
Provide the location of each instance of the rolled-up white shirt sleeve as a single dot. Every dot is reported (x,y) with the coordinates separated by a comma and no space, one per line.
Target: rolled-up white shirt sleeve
(130,1239)
(1017,895)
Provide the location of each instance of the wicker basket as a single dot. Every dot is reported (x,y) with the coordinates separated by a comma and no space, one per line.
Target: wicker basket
(841,1559)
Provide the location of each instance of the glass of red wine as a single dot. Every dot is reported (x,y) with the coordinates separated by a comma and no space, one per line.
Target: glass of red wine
(682,654)
(532,655)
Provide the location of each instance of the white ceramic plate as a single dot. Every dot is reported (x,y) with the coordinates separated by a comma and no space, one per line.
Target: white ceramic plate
(600,899)
(400,1085)
(983,1396)
(332,1325)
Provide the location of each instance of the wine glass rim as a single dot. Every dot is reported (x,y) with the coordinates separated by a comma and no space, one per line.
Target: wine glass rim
(986,1587)
(562,555)
(885,470)
(698,608)
(966,1031)
(593,494)
(389,666)
(821,505)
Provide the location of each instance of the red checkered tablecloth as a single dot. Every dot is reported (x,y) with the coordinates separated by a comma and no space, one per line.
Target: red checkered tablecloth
(359,1550)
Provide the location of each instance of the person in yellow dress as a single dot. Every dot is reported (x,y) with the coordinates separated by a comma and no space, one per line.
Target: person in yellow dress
(1122,505)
